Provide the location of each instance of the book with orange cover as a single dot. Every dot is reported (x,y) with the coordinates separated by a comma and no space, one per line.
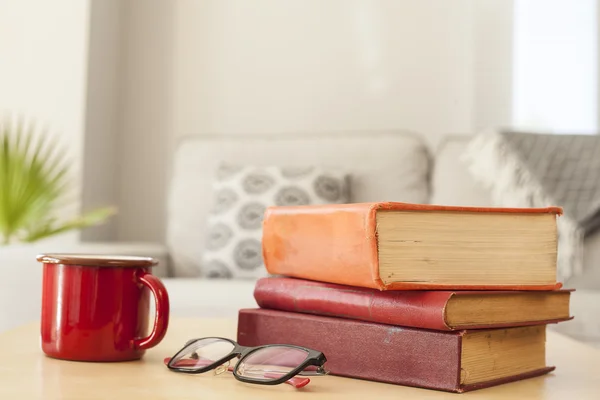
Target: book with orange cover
(403,246)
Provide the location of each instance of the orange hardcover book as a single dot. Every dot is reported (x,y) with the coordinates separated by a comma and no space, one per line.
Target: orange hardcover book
(402,246)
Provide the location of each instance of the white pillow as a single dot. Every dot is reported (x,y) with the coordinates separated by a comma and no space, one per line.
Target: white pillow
(233,246)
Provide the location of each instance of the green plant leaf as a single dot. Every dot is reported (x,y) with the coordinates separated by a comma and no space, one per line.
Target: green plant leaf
(34,182)
(48,228)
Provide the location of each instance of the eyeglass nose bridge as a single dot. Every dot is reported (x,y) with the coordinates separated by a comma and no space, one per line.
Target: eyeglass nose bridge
(222,368)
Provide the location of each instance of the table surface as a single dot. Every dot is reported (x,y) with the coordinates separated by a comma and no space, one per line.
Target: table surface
(25,373)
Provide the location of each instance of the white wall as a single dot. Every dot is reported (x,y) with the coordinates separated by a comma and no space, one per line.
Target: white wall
(145,129)
(492,69)
(556,66)
(43,64)
(301,65)
(103,116)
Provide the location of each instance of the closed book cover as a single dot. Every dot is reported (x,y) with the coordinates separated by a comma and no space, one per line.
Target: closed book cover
(439,310)
(450,361)
(401,246)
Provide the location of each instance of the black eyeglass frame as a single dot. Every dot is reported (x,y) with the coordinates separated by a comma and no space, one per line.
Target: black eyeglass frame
(313,358)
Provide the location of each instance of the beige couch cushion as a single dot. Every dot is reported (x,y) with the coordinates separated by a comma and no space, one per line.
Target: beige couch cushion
(385,166)
(452,183)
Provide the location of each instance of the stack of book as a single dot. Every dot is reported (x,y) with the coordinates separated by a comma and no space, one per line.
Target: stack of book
(447,298)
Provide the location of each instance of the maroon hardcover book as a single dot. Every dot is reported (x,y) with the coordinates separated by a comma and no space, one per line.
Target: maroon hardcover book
(438,310)
(449,361)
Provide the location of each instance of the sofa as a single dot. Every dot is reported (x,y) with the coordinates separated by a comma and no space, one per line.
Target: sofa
(384,165)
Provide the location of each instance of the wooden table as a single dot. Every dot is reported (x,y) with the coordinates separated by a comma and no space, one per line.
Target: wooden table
(25,373)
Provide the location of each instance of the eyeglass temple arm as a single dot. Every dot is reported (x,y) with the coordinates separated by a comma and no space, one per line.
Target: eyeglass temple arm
(319,371)
(294,381)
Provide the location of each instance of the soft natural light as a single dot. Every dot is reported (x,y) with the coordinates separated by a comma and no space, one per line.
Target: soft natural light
(555,86)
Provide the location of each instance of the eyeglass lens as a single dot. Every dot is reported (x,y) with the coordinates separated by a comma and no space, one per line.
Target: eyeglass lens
(202,353)
(270,363)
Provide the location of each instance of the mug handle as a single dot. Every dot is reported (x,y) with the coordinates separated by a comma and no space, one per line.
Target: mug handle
(161,321)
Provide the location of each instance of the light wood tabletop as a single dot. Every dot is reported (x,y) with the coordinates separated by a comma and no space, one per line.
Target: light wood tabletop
(25,373)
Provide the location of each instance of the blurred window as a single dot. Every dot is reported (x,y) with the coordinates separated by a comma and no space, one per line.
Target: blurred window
(555,81)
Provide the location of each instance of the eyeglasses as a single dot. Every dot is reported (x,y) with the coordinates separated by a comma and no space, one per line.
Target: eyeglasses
(265,365)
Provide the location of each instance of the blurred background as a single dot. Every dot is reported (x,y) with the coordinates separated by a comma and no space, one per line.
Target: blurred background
(121,84)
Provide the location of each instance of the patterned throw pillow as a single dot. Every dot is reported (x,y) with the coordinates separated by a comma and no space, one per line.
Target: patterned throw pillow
(242,193)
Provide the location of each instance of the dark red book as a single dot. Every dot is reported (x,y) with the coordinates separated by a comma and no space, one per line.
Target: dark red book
(455,361)
(439,310)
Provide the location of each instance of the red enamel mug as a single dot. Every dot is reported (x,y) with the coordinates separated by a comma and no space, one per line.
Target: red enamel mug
(96,307)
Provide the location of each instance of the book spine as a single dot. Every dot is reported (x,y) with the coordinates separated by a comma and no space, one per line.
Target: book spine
(420,309)
(357,349)
(336,243)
